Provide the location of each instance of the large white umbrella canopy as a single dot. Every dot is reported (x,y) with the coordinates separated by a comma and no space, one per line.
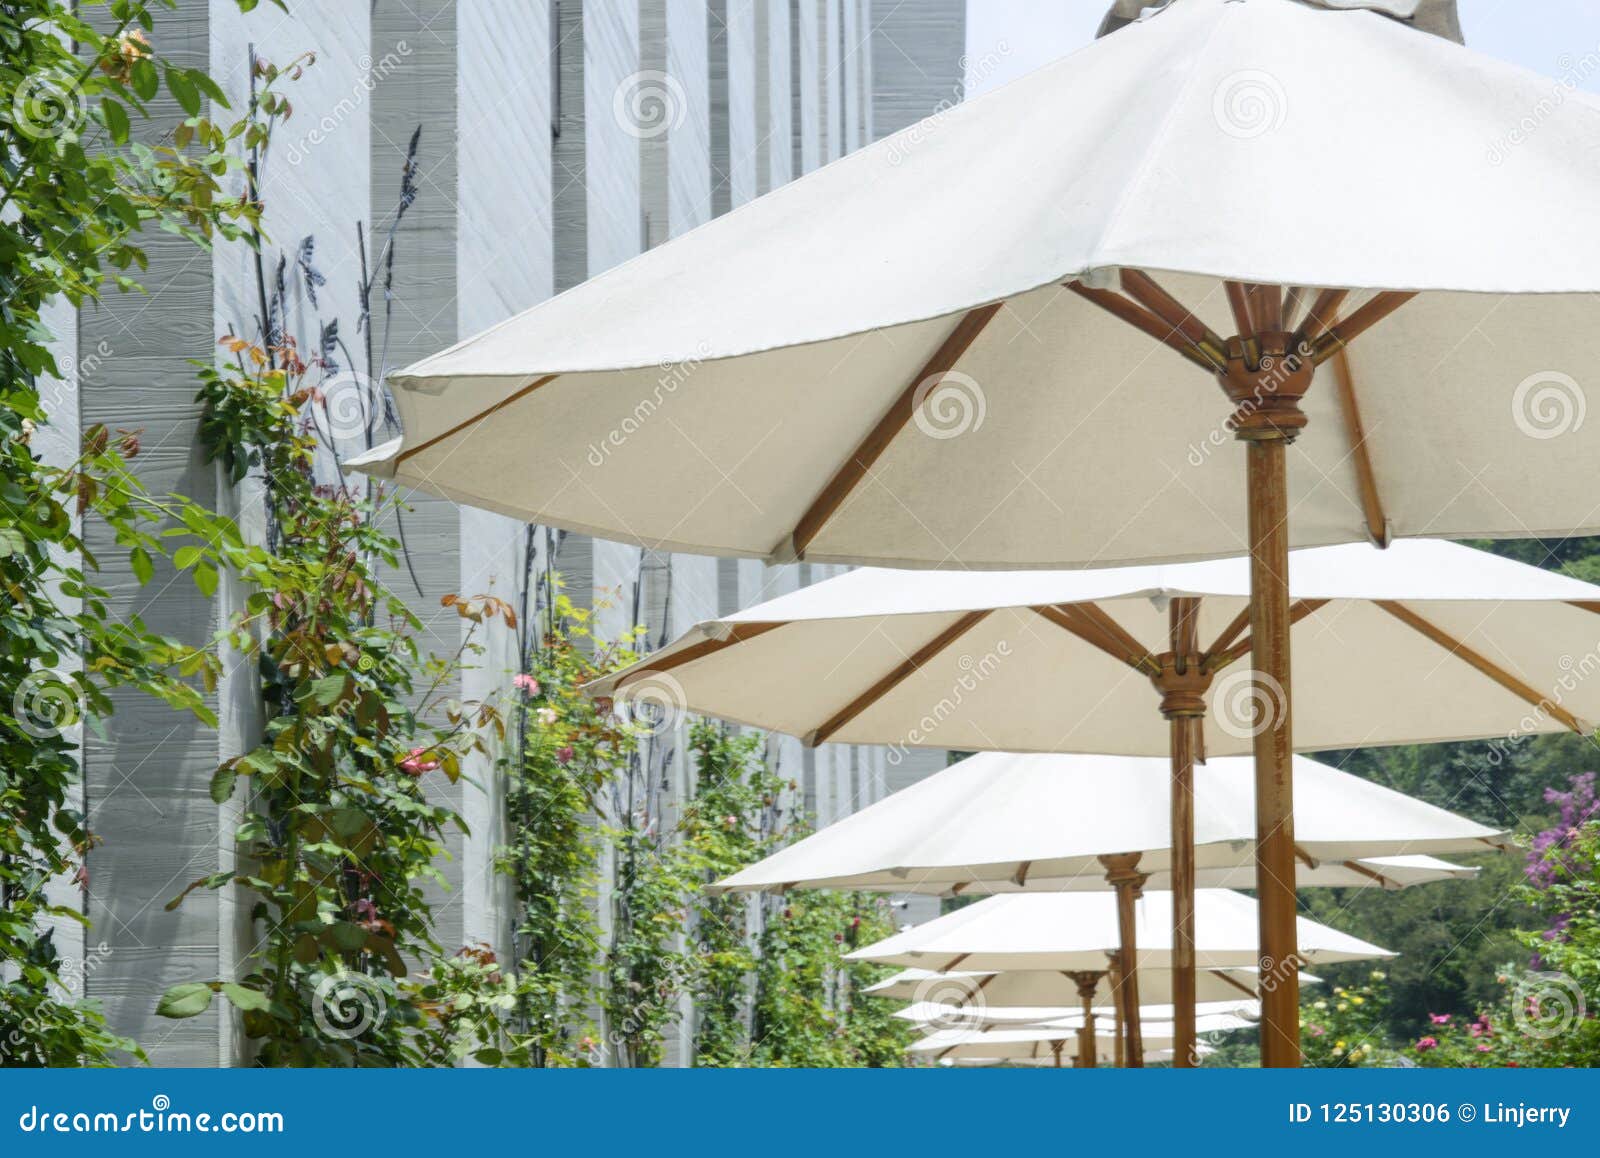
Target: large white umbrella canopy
(1031,1044)
(1076,931)
(1421,642)
(1246,151)
(752,388)
(1003,822)
(930,1013)
(1051,988)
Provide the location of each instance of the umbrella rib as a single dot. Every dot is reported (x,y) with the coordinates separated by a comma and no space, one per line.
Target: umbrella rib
(1229,634)
(1362,320)
(1586,605)
(1366,478)
(1363,870)
(1216,660)
(1145,290)
(1142,319)
(1242,988)
(855,468)
(1128,650)
(476,418)
(1239,302)
(738,633)
(1482,663)
(1323,311)
(898,676)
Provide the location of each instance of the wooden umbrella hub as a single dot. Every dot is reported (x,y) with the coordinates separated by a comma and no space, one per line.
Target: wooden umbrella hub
(1183,683)
(1265,379)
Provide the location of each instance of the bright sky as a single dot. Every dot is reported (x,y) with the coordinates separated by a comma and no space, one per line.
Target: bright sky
(1007,38)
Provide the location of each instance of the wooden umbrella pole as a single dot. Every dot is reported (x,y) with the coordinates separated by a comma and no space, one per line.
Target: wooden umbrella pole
(1183,683)
(1267,384)
(1122,873)
(1118,1021)
(1088,986)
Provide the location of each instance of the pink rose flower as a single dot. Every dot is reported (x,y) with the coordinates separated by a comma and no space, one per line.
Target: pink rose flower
(417,763)
(1427,1043)
(526,684)
(564,755)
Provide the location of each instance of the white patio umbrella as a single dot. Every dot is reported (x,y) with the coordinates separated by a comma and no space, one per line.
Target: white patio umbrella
(878,364)
(1424,641)
(934,1015)
(1031,1045)
(1001,822)
(1084,933)
(1052,988)
(1029,995)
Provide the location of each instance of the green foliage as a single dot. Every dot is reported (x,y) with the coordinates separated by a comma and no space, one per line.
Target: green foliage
(340,835)
(1344,1028)
(810,1010)
(567,750)
(77,198)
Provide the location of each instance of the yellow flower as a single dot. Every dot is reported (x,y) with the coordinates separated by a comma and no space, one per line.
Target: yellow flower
(1357,999)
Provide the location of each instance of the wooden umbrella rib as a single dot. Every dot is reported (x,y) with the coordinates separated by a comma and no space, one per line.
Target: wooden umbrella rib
(1103,620)
(1229,634)
(738,633)
(1483,664)
(1586,605)
(1145,290)
(1366,478)
(1142,319)
(899,675)
(1240,986)
(1239,302)
(855,468)
(1066,616)
(1217,660)
(1363,319)
(1324,309)
(411,451)
(1266,308)
(1362,870)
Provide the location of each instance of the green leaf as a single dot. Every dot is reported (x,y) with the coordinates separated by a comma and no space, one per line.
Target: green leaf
(205,578)
(183,90)
(346,937)
(246,999)
(116,119)
(210,87)
(145,80)
(144,568)
(187,1000)
(185,557)
(222,782)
